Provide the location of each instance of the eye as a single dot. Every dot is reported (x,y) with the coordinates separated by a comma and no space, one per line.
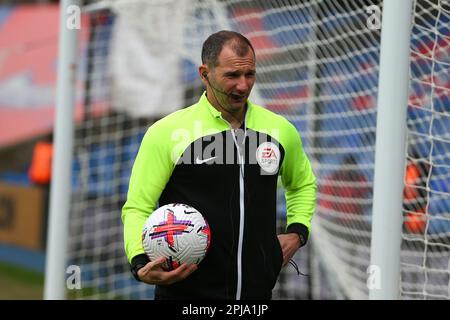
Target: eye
(232,75)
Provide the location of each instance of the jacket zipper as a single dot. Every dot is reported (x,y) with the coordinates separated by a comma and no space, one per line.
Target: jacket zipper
(241,206)
(241,226)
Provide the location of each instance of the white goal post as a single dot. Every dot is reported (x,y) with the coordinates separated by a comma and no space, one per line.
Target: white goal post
(60,196)
(390,150)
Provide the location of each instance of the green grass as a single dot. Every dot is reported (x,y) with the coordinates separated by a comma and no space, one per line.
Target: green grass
(17,283)
(89,293)
(20,284)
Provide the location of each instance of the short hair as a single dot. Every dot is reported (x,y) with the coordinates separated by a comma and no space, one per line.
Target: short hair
(214,44)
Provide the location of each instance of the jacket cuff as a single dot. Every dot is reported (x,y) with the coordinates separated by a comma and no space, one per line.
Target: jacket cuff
(301,230)
(140,259)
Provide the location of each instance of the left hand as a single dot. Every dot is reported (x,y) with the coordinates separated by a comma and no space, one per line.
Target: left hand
(290,243)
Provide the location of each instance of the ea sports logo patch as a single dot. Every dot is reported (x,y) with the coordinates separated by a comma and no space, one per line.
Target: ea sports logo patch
(268,157)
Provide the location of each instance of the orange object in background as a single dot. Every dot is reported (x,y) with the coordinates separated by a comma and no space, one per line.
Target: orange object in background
(416,219)
(40,171)
(412,179)
(415,222)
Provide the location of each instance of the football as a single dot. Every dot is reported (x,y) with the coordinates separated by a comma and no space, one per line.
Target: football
(177,232)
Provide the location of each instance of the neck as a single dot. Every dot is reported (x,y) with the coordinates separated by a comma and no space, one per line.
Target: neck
(234,120)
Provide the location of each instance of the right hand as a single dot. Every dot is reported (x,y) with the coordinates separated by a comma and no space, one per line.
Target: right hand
(153,273)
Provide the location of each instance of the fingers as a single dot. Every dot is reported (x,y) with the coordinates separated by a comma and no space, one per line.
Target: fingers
(179,273)
(156,263)
(153,273)
(284,248)
(289,244)
(152,265)
(150,273)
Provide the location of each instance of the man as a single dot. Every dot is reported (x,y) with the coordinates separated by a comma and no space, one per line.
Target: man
(222,156)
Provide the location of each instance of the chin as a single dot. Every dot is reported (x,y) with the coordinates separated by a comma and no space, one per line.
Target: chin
(236,106)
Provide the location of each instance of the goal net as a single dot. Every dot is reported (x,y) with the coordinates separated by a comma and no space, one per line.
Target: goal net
(317,64)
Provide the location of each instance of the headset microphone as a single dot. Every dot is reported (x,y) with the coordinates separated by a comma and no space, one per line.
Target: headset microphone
(220,91)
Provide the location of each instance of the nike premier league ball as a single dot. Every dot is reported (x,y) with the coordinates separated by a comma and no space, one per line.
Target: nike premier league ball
(177,232)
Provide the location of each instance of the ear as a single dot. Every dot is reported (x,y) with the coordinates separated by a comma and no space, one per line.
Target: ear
(203,70)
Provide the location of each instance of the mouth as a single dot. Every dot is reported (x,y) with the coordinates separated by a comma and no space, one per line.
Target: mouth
(238,98)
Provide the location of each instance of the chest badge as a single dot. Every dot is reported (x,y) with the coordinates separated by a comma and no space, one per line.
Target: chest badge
(268,157)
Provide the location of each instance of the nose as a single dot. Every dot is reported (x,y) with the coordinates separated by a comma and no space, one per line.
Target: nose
(242,85)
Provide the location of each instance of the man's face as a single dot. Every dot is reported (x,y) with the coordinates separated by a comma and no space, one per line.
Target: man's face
(235,76)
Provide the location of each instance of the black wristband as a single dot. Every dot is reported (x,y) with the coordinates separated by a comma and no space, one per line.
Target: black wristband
(301,230)
(138,262)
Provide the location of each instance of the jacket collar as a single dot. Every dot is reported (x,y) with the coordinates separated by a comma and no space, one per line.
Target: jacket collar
(203,102)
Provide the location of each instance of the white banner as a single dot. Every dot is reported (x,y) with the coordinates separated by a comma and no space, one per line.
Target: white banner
(146,58)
